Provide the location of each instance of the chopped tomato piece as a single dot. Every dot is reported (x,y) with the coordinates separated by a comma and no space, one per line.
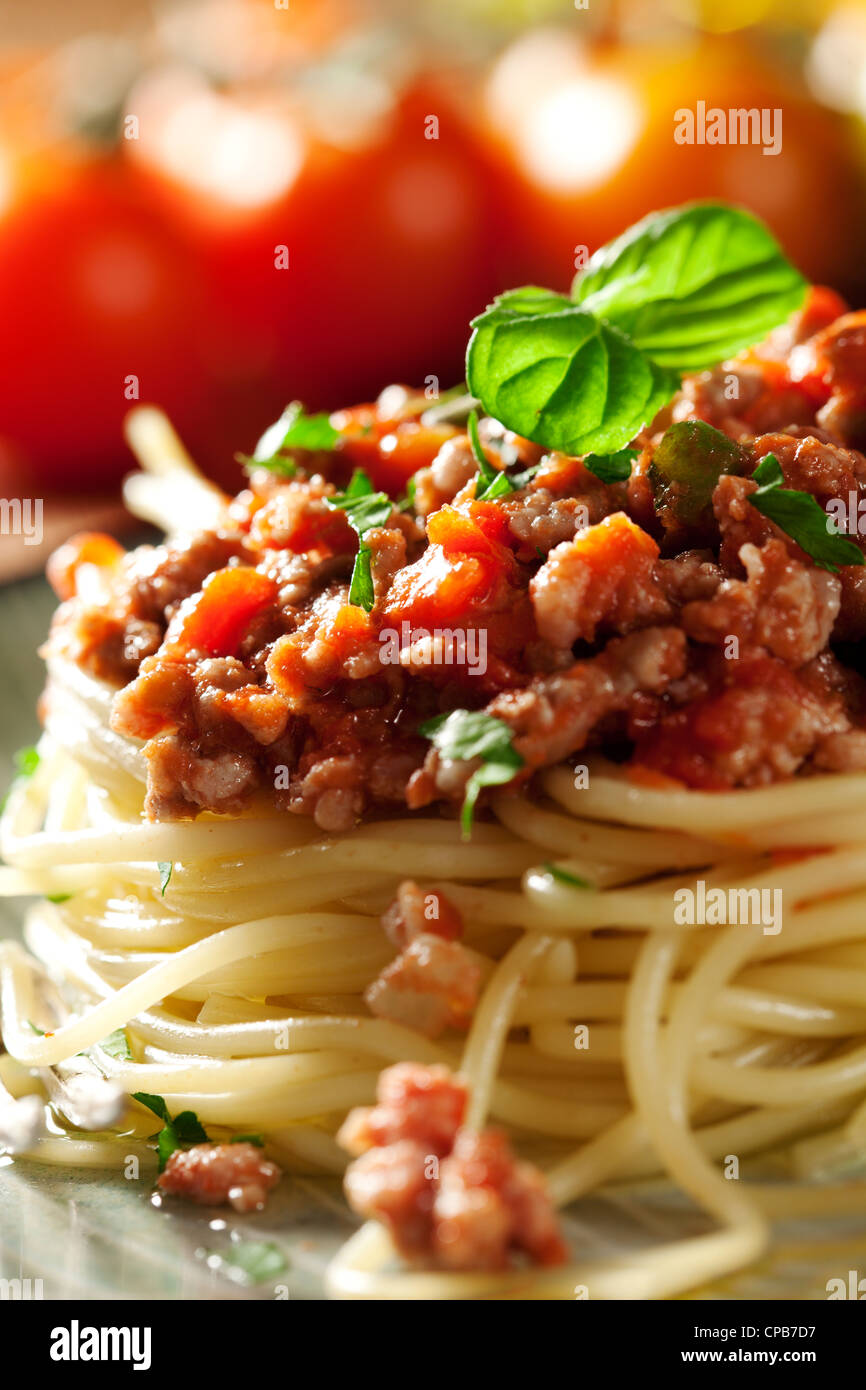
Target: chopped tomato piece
(217,619)
(85,548)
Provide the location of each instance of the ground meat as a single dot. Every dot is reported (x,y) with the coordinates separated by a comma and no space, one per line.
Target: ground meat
(393,1185)
(215,1174)
(487,1204)
(689,576)
(603,579)
(450,471)
(740,523)
(387,549)
(415,911)
(781,605)
(835,360)
(423,1104)
(466,1204)
(432,985)
(756,723)
(552,717)
(182,781)
(814,464)
(161,577)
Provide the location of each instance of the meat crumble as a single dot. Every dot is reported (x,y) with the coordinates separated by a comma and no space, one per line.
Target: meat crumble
(667,622)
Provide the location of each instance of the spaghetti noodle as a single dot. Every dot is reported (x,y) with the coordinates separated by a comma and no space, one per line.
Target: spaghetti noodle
(239,980)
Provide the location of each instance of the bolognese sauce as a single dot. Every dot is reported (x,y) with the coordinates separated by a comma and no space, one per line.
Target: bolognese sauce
(606,612)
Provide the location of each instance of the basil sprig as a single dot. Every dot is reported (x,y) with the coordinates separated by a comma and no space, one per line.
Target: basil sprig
(465,735)
(681,290)
(364,510)
(802,518)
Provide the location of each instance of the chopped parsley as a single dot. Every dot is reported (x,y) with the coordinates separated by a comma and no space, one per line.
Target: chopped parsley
(26,761)
(492,482)
(802,518)
(364,510)
(166,869)
(180,1132)
(563,876)
(465,735)
(295,429)
(117,1045)
(250,1261)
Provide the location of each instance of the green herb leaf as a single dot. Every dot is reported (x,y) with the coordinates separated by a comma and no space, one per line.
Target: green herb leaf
(188,1128)
(40,1032)
(686,466)
(294,430)
(117,1045)
(407,503)
(165,872)
(563,876)
(57,897)
(693,284)
(178,1133)
(681,290)
(467,734)
(564,379)
(26,761)
(365,510)
(154,1103)
(492,482)
(256,1260)
(257,1139)
(802,518)
(612,468)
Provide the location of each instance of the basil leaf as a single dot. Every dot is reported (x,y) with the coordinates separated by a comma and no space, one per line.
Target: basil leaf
(467,734)
(564,378)
(612,468)
(563,876)
(802,518)
(256,1139)
(165,872)
(57,897)
(294,430)
(364,510)
(692,285)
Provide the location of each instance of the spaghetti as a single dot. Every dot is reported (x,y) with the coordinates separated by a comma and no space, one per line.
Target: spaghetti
(239,982)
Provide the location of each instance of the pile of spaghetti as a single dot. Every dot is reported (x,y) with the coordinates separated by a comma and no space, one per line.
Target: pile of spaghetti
(665,736)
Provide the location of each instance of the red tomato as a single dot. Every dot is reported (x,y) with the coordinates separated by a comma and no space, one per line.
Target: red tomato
(585,137)
(98,301)
(216,620)
(334,268)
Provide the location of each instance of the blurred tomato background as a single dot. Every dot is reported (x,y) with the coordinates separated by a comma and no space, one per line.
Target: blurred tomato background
(221,205)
